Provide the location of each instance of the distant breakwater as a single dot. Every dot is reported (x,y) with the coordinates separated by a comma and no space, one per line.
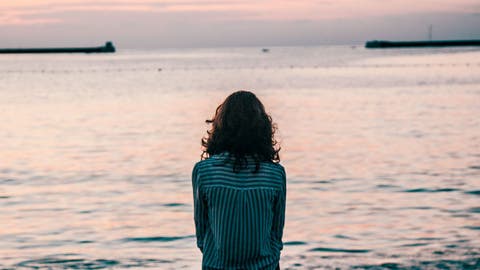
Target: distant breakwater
(379,44)
(107,48)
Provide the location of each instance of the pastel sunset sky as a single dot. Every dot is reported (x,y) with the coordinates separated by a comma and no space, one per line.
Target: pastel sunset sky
(211,23)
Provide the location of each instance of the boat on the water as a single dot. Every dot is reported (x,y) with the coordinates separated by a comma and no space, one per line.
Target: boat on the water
(107,48)
(379,44)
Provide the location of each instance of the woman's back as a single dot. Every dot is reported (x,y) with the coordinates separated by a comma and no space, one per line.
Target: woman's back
(239,216)
(239,188)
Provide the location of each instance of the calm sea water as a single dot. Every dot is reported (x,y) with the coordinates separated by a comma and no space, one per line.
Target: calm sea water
(381,148)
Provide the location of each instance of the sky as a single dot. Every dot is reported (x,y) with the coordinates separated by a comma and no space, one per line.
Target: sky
(218,23)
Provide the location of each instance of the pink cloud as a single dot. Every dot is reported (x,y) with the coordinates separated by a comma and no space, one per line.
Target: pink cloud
(45,11)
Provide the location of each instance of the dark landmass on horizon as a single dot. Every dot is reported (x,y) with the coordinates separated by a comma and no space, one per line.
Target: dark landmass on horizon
(379,44)
(107,48)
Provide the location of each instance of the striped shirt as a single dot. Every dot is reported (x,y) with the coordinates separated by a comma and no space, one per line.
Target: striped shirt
(239,217)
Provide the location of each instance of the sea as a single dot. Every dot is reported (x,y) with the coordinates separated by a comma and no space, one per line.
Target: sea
(381,149)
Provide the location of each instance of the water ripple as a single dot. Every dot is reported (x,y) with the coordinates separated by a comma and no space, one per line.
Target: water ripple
(9,181)
(325,249)
(294,243)
(341,236)
(467,264)
(415,245)
(415,190)
(74,261)
(156,238)
(474,210)
(174,204)
(473,192)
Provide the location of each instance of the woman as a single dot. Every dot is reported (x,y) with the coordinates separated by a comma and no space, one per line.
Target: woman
(239,188)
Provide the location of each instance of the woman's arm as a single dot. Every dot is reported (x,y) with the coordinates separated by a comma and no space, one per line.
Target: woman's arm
(199,209)
(279,213)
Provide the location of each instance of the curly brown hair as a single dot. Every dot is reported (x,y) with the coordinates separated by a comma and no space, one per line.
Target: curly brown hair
(242,128)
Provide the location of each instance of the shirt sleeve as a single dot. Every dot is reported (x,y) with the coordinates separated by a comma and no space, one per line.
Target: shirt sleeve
(279,213)
(199,209)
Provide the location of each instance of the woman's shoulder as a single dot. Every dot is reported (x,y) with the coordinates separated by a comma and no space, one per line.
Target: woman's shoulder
(213,160)
(220,163)
(220,159)
(274,165)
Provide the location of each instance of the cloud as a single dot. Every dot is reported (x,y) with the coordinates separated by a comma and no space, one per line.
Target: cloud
(52,11)
(19,11)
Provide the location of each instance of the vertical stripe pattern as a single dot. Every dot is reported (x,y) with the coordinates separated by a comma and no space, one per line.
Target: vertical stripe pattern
(239,217)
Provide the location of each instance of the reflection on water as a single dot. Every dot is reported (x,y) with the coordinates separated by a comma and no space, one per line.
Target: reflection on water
(382,151)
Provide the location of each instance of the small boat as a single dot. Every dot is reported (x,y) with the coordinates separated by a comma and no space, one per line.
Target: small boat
(375,44)
(265,50)
(107,48)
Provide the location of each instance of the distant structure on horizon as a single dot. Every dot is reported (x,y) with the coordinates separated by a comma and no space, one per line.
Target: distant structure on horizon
(380,44)
(107,48)
(430,32)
